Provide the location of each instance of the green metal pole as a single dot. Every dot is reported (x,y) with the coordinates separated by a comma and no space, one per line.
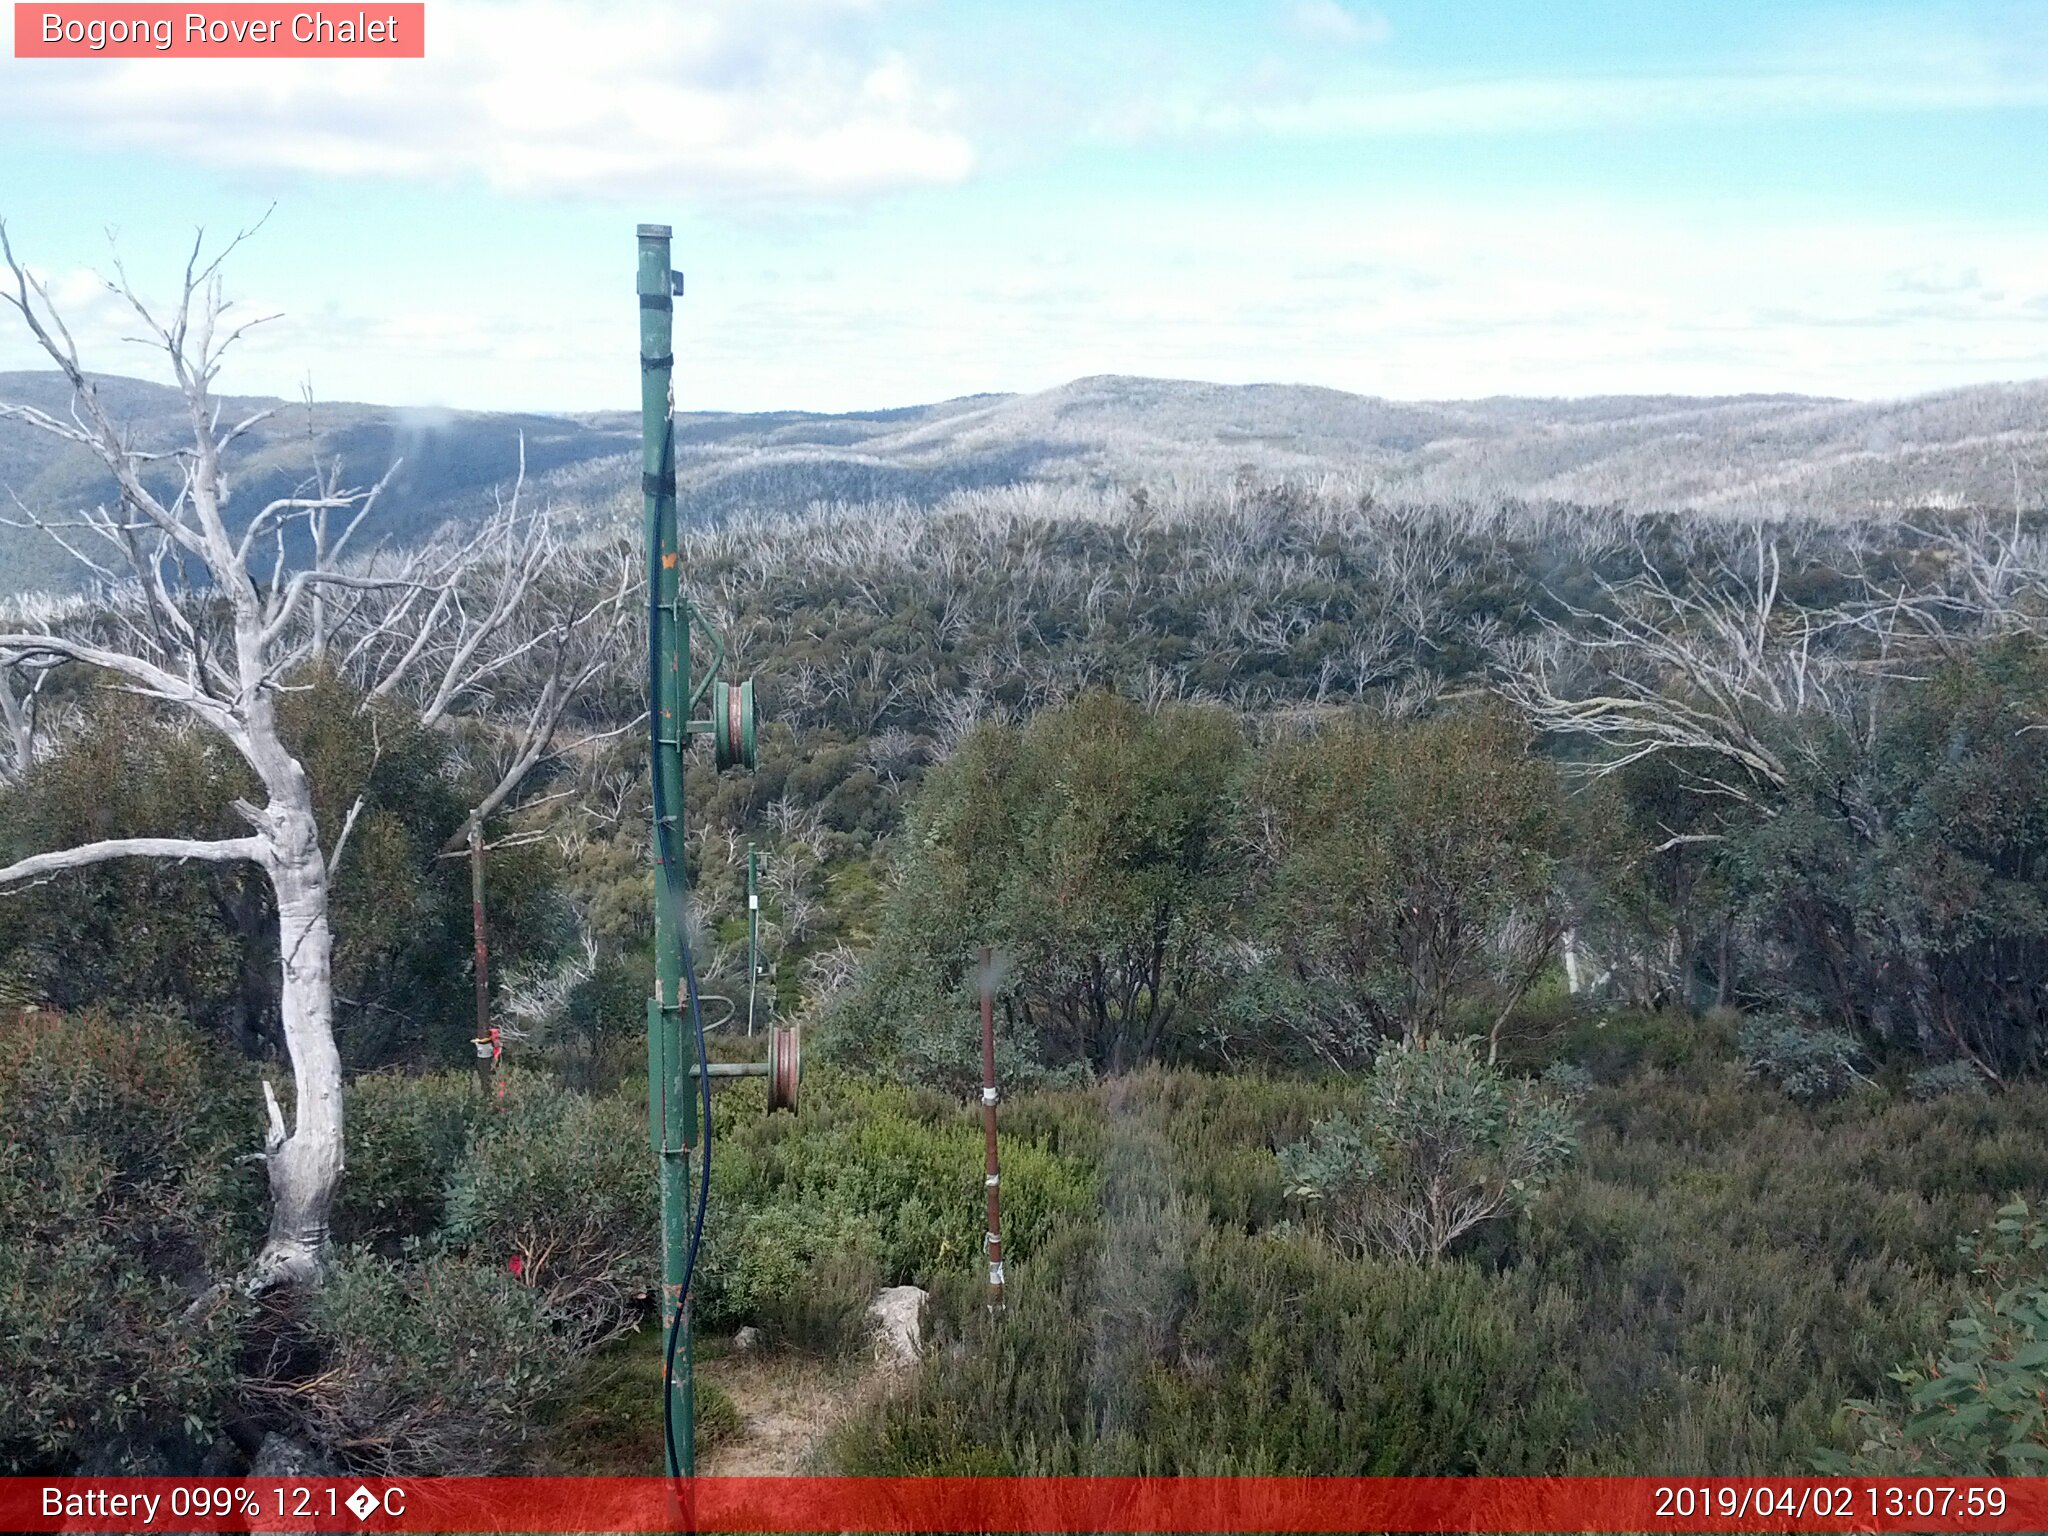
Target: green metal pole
(672,1105)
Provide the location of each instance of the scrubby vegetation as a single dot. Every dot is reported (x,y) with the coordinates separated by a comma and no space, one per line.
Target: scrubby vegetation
(1718,1271)
(1480,990)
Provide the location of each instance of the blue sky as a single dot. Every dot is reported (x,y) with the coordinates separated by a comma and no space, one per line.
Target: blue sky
(886,201)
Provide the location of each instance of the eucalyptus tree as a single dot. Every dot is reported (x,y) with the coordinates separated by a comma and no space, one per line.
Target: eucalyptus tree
(202,611)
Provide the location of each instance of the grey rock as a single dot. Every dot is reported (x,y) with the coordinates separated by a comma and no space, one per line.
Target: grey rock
(282,1456)
(897,1318)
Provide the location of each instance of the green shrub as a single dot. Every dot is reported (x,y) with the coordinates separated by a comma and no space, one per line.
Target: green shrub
(1949,1077)
(888,1175)
(757,1260)
(1902,874)
(1567,1079)
(604,1022)
(1407,881)
(1614,1044)
(1810,1065)
(436,1367)
(1439,1143)
(1715,1273)
(1093,847)
(1235,1355)
(407,1137)
(565,1184)
(1979,1405)
(124,1195)
(825,1311)
(131,934)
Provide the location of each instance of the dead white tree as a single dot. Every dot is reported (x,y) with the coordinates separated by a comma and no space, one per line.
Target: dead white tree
(219,653)
(500,646)
(1698,669)
(214,623)
(21,687)
(1996,578)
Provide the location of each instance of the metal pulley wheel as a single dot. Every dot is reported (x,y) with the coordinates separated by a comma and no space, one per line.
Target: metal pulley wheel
(785,1066)
(732,724)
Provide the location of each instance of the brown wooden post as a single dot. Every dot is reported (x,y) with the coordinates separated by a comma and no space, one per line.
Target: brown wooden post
(992,1240)
(485,1045)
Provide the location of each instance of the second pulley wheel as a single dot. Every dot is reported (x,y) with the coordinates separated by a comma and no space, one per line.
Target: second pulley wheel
(785,1067)
(732,724)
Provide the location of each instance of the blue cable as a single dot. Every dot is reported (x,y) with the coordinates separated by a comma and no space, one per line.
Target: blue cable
(665,847)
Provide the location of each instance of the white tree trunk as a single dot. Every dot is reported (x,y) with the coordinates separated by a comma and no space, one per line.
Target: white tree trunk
(18,713)
(305,1163)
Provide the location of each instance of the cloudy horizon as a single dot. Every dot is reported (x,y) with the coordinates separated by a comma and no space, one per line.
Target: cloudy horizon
(883,202)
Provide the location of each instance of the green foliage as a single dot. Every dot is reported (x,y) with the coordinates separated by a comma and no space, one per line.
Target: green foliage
(1903,871)
(761,1263)
(1614,1044)
(1409,886)
(882,1179)
(599,1037)
(436,1366)
(1270,1356)
(1437,1143)
(133,932)
(607,1420)
(407,1137)
(1090,847)
(564,1183)
(1978,1406)
(1657,884)
(1717,1271)
(1808,1064)
(203,938)
(1949,1077)
(122,1198)
(824,1312)
(1400,880)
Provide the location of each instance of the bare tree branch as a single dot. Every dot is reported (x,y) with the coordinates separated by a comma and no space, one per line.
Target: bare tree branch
(224,851)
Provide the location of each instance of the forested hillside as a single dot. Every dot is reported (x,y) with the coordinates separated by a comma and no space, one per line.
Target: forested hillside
(1978,447)
(1507,987)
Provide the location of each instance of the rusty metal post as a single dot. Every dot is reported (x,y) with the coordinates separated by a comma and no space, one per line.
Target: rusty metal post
(992,1240)
(753,938)
(485,1044)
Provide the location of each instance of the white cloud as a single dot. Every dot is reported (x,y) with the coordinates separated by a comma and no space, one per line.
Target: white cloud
(1423,299)
(1397,106)
(1875,63)
(1328,21)
(746,100)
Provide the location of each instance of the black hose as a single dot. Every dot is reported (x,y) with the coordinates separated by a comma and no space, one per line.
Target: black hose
(665,848)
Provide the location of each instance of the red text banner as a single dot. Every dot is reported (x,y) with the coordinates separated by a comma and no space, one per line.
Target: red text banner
(1055,1504)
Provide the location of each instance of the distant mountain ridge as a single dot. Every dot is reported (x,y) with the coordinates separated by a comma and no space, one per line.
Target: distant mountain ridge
(1975,446)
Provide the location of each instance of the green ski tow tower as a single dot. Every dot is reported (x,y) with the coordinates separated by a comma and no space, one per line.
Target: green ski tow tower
(679,1068)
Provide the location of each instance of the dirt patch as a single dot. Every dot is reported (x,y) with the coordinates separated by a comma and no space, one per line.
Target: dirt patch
(789,1407)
